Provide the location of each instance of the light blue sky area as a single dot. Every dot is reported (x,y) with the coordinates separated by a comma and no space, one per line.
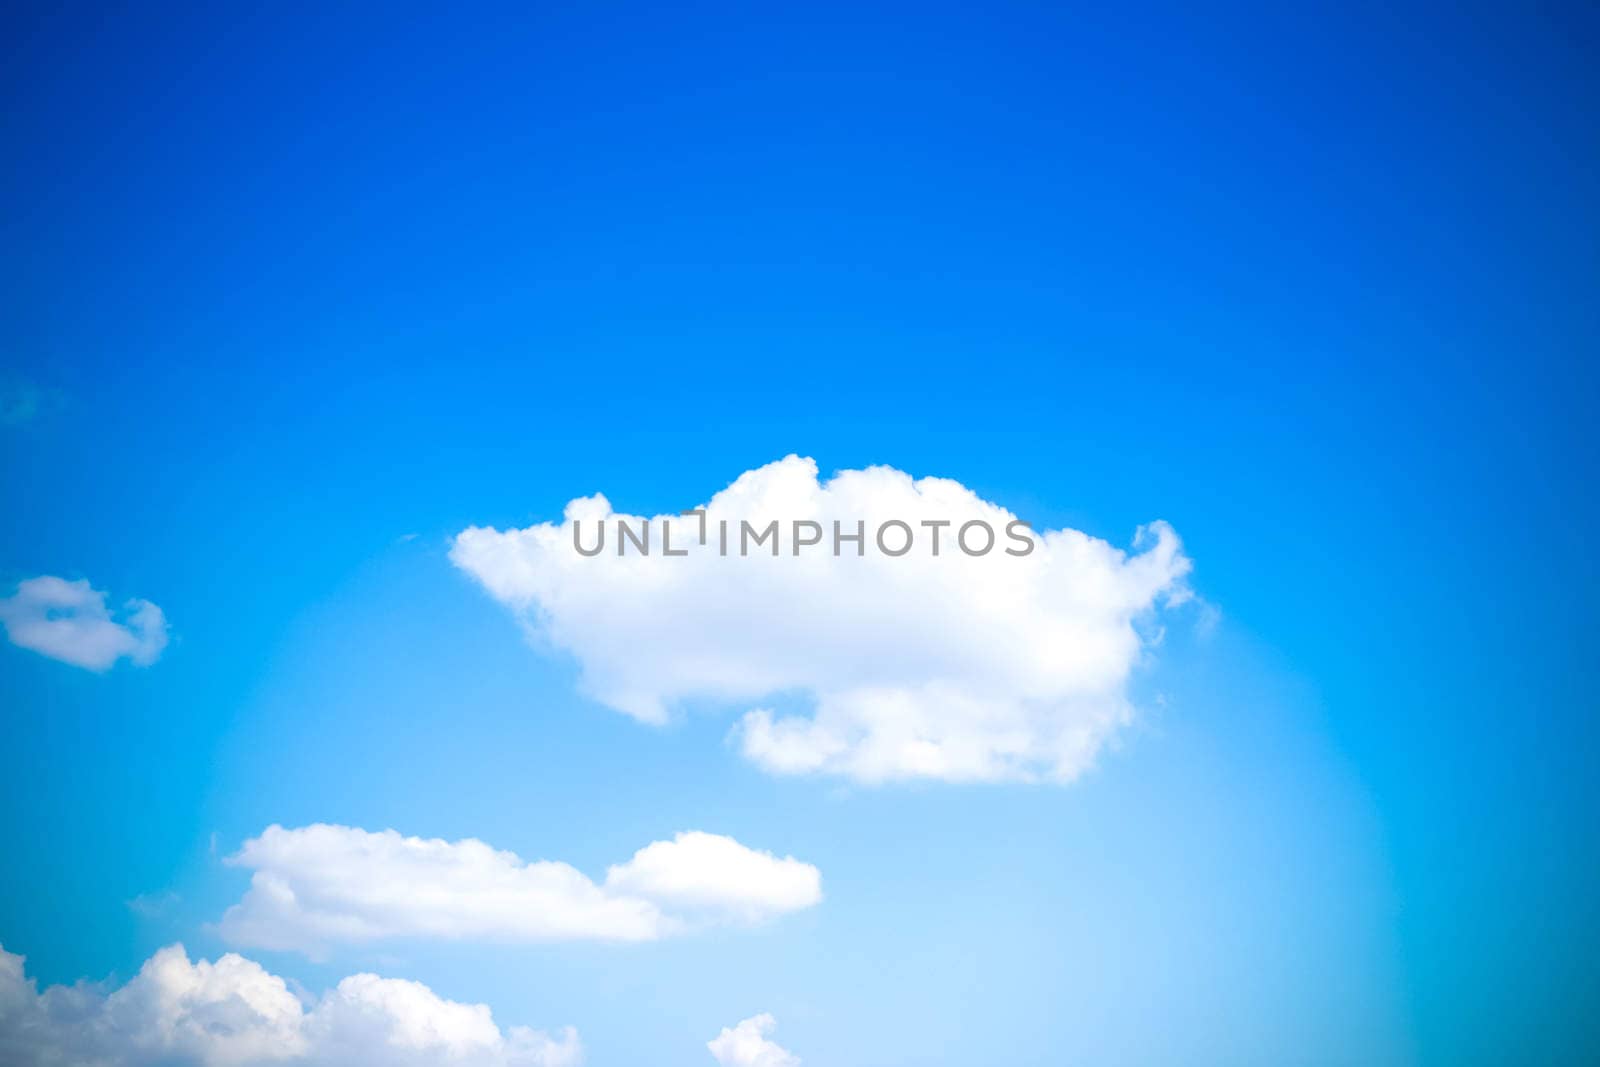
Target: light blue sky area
(298,300)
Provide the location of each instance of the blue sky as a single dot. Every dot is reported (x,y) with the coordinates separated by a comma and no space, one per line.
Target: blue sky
(290,301)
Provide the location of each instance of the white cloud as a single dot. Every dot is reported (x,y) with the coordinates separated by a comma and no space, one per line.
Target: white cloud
(69,621)
(748,1045)
(233,1013)
(324,884)
(701,874)
(948,666)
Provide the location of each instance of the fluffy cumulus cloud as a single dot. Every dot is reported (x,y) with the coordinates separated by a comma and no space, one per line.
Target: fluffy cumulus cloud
(925,650)
(750,1045)
(233,1013)
(319,885)
(70,621)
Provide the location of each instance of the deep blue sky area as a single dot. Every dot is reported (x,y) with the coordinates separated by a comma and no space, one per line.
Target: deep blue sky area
(295,295)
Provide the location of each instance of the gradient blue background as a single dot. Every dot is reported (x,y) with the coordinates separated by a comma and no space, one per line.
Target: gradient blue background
(1317,288)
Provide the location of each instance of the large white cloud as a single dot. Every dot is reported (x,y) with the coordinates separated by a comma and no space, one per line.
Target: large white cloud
(69,621)
(233,1013)
(916,665)
(322,884)
(749,1045)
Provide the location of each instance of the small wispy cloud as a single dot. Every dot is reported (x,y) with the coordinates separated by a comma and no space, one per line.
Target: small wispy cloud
(154,905)
(69,621)
(22,402)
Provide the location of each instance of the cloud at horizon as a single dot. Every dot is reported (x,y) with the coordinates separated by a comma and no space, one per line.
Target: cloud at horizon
(235,1013)
(749,1044)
